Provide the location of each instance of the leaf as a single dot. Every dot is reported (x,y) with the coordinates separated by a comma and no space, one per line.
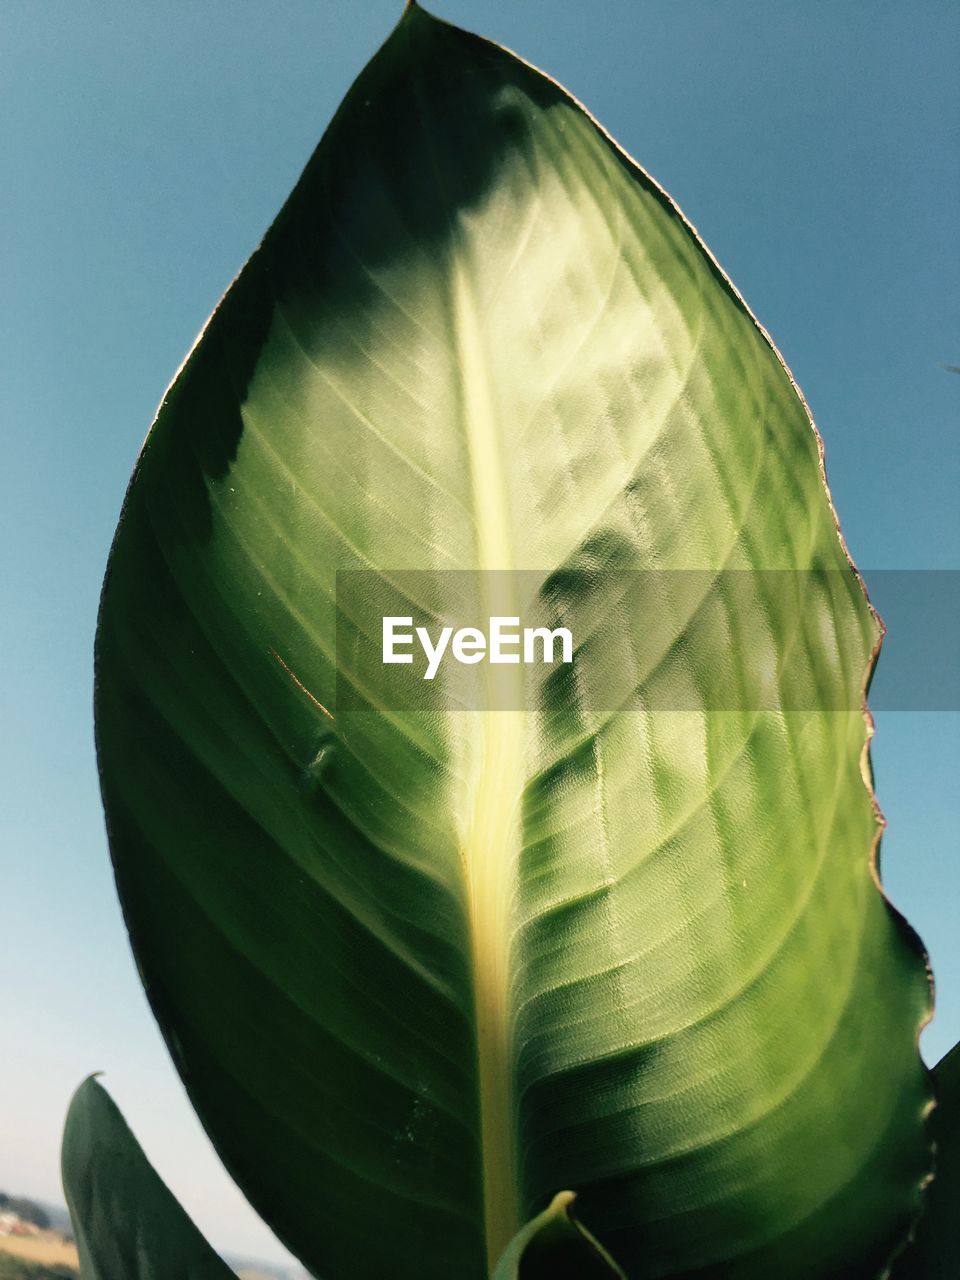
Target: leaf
(935,1253)
(421,967)
(126,1223)
(555,1246)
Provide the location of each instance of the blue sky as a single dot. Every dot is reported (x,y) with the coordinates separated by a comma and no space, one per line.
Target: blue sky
(145,149)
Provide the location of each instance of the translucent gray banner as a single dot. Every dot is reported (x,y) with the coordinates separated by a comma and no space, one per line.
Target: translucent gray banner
(668,640)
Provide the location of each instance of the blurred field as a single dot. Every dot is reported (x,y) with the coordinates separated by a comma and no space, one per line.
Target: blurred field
(46,1248)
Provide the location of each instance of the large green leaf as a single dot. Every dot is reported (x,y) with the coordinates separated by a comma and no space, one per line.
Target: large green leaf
(126,1223)
(935,1254)
(421,968)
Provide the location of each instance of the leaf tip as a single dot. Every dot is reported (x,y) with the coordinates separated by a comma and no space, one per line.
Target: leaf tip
(88,1084)
(561,1203)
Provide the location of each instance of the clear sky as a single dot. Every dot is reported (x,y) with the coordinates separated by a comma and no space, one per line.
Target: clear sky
(145,147)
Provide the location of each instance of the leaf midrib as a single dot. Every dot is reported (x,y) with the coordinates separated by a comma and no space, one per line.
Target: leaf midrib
(491,831)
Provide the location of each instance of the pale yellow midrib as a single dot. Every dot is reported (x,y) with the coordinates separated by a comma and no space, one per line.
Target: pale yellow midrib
(491,831)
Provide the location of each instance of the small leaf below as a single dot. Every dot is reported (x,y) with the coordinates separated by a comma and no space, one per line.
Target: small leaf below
(555,1246)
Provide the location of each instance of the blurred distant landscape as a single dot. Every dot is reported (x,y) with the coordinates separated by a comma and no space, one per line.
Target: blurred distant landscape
(36,1243)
